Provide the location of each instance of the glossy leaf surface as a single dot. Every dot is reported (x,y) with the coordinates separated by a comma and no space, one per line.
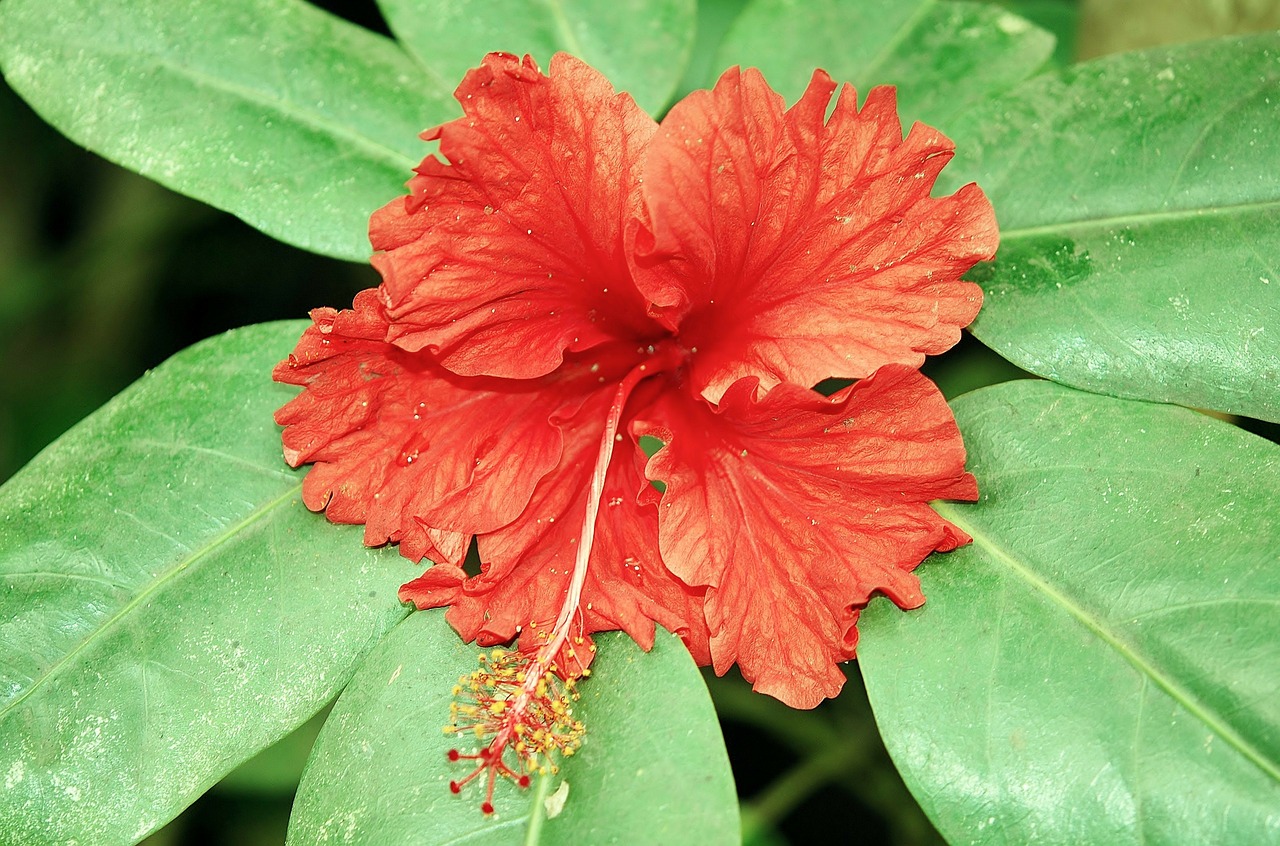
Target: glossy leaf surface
(168,607)
(293,119)
(641,46)
(1139,206)
(652,767)
(944,57)
(1100,665)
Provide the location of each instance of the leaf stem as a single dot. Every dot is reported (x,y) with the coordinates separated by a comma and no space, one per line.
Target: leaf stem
(781,798)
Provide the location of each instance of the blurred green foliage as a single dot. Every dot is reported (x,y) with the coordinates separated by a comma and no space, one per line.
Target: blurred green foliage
(104,274)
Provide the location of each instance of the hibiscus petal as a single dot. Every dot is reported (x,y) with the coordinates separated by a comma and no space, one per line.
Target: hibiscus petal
(794,509)
(511,254)
(420,455)
(528,564)
(793,249)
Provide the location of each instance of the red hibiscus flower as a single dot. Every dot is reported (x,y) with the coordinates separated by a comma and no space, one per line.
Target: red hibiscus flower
(572,276)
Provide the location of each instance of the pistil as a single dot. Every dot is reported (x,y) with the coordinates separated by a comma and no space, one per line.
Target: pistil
(518,701)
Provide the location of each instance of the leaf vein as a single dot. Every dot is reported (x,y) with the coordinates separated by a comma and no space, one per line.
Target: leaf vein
(312,120)
(1170,686)
(1174,215)
(150,590)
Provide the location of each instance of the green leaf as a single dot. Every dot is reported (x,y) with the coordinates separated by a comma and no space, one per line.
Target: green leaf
(1100,665)
(1139,201)
(167,604)
(289,117)
(715,17)
(1059,17)
(642,46)
(652,767)
(276,770)
(944,57)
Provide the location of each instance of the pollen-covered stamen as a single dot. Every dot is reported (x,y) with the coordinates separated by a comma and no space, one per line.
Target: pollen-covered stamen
(520,702)
(524,710)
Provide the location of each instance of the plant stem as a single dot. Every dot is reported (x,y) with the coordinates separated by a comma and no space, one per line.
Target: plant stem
(538,810)
(781,797)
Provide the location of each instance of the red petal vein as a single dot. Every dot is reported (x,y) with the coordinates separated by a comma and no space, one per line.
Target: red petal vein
(794,509)
(793,250)
(512,253)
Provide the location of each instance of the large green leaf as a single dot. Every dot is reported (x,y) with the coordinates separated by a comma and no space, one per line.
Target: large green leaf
(1101,664)
(168,607)
(943,56)
(290,118)
(715,18)
(652,768)
(1139,202)
(642,46)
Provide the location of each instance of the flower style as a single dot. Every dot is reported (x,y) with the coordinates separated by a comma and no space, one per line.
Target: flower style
(572,276)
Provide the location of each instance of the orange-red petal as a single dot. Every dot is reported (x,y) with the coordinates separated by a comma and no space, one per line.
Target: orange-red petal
(793,509)
(419,455)
(794,248)
(528,563)
(512,253)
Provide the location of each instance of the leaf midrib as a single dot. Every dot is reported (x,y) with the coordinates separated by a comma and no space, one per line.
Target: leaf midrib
(564,29)
(289,109)
(159,581)
(1176,691)
(889,47)
(1136,219)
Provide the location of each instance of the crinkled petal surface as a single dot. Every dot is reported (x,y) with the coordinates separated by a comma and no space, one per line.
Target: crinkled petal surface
(420,455)
(563,241)
(793,248)
(512,253)
(528,563)
(794,509)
